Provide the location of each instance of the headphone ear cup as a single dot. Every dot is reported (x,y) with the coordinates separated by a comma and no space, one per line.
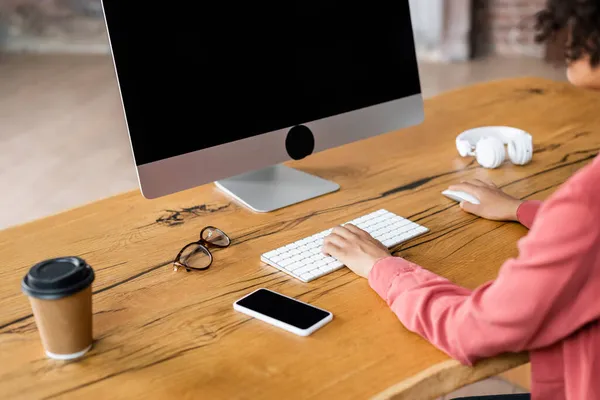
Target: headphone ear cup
(520,150)
(490,152)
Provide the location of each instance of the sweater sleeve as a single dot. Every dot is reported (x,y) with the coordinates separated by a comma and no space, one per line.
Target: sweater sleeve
(526,307)
(527,212)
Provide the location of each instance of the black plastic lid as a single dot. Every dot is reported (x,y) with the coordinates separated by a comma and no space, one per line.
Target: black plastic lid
(56,278)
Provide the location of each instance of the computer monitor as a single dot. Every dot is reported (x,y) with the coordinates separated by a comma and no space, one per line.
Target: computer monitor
(220,91)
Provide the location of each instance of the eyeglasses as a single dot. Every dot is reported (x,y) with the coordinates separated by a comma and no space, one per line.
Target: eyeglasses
(196,256)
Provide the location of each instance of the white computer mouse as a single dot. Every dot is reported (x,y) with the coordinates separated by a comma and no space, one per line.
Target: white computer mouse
(460,196)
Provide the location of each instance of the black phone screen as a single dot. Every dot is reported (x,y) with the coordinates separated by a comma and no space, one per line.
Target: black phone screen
(284,309)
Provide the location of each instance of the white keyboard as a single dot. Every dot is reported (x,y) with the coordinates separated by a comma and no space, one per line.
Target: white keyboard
(304,260)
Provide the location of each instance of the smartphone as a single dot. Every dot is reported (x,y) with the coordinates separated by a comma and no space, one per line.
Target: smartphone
(282,311)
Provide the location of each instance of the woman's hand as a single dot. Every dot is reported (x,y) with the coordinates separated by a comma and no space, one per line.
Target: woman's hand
(355,248)
(495,204)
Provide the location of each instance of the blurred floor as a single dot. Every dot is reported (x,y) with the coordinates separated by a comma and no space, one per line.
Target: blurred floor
(63,141)
(436,78)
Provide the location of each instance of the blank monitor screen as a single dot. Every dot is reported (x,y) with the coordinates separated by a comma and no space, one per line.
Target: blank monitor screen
(199,74)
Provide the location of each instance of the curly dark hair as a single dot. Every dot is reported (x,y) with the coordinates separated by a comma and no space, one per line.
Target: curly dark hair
(581,18)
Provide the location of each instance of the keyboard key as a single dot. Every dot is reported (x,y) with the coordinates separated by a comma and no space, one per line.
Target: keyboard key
(330,268)
(317,257)
(294,266)
(324,269)
(271,254)
(304,269)
(377,233)
(359,220)
(406,236)
(389,242)
(412,234)
(382,220)
(400,225)
(370,222)
(312,245)
(286,262)
(307,276)
(386,236)
(421,229)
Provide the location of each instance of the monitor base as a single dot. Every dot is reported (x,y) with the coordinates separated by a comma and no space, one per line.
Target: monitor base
(275,187)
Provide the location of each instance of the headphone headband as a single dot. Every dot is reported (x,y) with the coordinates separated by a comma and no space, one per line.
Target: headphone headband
(504,133)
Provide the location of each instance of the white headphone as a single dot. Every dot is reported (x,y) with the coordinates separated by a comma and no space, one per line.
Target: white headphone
(487,144)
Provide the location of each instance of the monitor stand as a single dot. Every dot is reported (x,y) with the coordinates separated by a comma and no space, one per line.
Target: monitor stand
(275,187)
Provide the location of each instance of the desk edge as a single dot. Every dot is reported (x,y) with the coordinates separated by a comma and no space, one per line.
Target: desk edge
(448,376)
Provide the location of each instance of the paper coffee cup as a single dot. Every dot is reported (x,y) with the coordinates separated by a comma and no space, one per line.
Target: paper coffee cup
(60,292)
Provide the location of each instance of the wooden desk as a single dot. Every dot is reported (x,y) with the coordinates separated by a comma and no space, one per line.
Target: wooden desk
(162,334)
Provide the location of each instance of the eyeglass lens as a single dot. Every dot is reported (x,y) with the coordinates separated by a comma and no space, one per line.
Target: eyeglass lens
(216,236)
(195,256)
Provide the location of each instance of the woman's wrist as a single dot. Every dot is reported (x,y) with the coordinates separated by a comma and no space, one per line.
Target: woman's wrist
(514,214)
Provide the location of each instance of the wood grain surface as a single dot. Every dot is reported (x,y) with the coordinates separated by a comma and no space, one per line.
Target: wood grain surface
(161,334)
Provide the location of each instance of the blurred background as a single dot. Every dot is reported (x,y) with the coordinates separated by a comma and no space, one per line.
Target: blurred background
(63,141)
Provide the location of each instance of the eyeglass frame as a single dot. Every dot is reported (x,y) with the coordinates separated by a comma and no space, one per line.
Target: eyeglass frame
(205,245)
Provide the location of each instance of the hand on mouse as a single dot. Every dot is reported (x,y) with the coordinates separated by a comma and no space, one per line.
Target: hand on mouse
(495,204)
(358,250)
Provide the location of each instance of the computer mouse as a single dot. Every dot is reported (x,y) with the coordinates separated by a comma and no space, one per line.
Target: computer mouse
(460,196)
